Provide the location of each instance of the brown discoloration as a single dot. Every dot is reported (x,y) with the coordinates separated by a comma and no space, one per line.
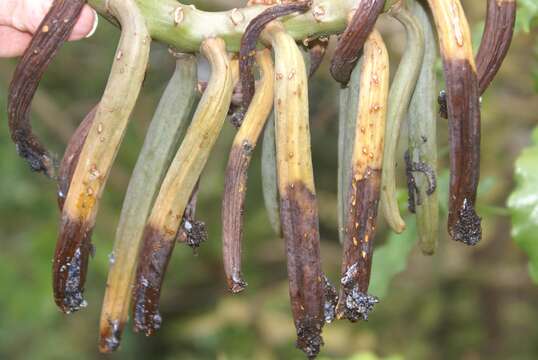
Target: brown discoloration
(496,40)
(331,300)
(351,42)
(247,52)
(413,193)
(71,155)
(153,261)
(70,264)
(317,48)
(110,336)
(192,232)
(464,139)
(235,185)
(358,245)
(299,218)
(58,22)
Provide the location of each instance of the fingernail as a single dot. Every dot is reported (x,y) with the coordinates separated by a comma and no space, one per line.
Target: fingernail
(95,23)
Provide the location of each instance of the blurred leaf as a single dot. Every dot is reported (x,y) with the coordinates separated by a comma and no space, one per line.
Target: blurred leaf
(527,15)
(523,204)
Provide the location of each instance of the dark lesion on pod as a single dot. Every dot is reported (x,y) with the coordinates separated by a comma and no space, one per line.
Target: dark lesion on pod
(247,51)
(496,40)
(299,218)
(154,257)
(352,40)
(192,232)
(71,155)
(50,35)
(413,192)
(70,265)
(354,302)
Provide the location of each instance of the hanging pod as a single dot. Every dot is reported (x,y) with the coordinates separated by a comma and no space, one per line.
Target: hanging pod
(165,218)
(164,133)
(49,37)
(463,119)
(422,136)
(98,153)
(354,303)
(298,207)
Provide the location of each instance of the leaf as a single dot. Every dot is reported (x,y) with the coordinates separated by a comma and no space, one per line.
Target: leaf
(527,15)
(391,258)
(523,204)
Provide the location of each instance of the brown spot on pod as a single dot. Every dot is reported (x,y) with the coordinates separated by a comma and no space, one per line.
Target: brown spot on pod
(35,60)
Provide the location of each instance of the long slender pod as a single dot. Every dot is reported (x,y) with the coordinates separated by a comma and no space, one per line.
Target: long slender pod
(71,155)
(298,207)
(347,119)
(167,212)
(235,183)
(269,176)
(364,188)
(49,37)
(247,52)
(464,119)
(99,151)
(352,40)
(496,40)
(422,133)
(164,133)
(400,94)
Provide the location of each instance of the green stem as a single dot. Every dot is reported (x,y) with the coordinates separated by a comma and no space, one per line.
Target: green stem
(184,27)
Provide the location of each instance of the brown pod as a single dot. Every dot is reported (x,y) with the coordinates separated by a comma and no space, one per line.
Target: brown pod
(364,190)
(352,41)
(49,37)
(464,119)
(247,51)
(71,155)
(496,40)
(317,48)
(235,182)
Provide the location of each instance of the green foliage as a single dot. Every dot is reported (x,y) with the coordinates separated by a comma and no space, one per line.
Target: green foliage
(523,204)
(527,15)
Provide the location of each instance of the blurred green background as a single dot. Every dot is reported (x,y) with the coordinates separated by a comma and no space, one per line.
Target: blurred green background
(462,303)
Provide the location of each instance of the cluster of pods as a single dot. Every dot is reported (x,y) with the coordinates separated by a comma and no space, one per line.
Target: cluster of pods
(160,203)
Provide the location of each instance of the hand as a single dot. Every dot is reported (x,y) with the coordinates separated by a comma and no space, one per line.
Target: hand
(19,19)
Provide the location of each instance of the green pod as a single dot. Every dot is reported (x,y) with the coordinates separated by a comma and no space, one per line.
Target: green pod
(347,120)
(269,176)
(400,95)
(164,134)
(423,136)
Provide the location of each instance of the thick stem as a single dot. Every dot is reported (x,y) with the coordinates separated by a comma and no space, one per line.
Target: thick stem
(184,28)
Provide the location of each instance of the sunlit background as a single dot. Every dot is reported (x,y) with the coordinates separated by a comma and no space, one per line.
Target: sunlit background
(462,303)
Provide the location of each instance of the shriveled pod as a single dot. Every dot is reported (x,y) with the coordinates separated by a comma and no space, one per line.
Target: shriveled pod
(354,303)
(247,51)
(235,183)
(164,133)
(347,120)
(496,40)
(317,48)
(352,40)
(98,153)
(298,207)
(464,119)
(422,133)
(400,94)
(71,155)
(49,37)
(269,176)
(166,215)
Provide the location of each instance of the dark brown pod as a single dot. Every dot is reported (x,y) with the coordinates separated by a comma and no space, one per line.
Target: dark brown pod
(463,106)
(49,37)
(247,51)
(71,155)
(351,42)
(317,48)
